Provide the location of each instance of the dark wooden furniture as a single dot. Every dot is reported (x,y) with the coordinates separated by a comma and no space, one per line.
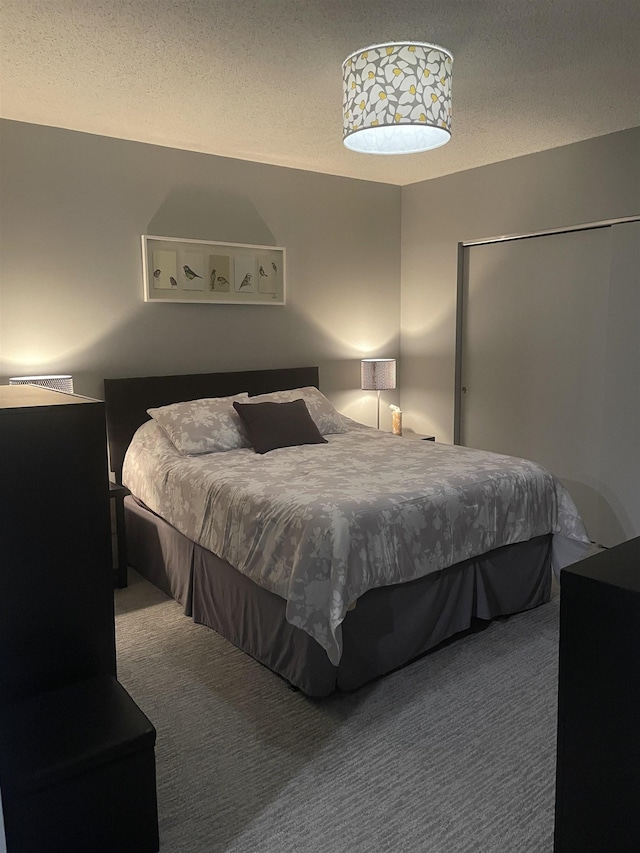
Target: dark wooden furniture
(73,744)
(416,436)
(598,764)
(117,494)
(56,607)
(127,400)
(78,771)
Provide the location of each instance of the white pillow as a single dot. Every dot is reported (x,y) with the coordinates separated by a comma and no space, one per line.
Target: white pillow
(203,426)
(323,414)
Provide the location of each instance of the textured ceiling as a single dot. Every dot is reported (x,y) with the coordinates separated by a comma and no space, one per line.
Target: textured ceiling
(262,80)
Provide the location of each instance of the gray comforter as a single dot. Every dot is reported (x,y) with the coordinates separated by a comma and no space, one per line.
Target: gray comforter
(319,525)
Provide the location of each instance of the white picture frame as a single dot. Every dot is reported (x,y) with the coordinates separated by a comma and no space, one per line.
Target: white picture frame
(206,271)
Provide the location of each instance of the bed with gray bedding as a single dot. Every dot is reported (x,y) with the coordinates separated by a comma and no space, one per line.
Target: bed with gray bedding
(333,563)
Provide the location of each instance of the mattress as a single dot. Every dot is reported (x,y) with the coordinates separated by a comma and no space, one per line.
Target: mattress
(320,525)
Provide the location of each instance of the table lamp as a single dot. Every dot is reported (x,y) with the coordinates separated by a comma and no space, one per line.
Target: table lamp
(54,381)
(378,374)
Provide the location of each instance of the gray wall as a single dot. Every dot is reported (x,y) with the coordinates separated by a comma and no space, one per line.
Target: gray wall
(585,182)
(73,207)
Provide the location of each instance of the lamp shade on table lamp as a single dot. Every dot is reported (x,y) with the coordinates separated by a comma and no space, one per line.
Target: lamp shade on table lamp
(54,381)
(378,374)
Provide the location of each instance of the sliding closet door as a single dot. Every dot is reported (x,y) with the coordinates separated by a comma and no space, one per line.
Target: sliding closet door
(619,516)
(537,374)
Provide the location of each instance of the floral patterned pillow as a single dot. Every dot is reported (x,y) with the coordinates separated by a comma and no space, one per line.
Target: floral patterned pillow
(203,426)
(325,417)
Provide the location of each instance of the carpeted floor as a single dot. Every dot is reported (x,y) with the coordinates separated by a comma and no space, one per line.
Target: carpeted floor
(452,754)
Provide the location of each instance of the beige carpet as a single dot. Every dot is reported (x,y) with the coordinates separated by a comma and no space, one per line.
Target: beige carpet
(452,754)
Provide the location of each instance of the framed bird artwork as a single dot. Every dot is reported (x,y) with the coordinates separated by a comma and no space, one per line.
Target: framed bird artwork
(207,271)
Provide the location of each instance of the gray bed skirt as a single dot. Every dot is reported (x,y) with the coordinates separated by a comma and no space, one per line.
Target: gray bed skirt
(389,627)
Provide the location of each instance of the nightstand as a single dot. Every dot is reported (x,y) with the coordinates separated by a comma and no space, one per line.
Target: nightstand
(416,436)
(117,494)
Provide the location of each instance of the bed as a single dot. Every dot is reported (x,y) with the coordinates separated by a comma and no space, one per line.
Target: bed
(333,562)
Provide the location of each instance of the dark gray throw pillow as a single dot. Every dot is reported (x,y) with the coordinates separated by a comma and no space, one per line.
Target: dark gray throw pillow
(273,425)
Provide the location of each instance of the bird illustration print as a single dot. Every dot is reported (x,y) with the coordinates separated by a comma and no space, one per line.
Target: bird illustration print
(174,283)
(275,268)
(222,283)
(263,274)
(212,280)
(157,273)
(246,281)
(189,273)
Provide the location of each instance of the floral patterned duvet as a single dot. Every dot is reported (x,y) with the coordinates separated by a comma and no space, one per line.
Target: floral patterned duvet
(319,525)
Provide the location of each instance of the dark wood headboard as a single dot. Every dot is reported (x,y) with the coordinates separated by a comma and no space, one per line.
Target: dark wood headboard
(127,400)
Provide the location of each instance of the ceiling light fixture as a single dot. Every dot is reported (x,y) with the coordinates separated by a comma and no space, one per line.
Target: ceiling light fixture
(397,98)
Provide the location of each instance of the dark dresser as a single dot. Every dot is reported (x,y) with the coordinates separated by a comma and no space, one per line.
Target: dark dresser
(598,762)
(77,765)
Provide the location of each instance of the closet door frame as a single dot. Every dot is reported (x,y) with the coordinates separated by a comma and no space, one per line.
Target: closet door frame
(460,294)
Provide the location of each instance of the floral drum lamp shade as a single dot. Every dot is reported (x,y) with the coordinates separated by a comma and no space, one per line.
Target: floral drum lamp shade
(397,98)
